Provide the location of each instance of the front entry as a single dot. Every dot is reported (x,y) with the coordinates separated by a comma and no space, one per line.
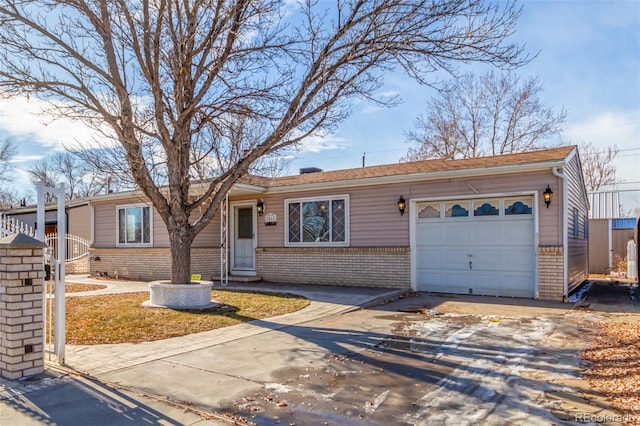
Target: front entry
(243,253)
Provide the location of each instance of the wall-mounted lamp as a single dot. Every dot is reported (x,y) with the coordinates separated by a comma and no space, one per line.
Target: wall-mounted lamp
(547,196)
(260,207)
(402,204)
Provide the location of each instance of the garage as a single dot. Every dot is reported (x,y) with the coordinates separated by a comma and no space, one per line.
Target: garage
(483,246)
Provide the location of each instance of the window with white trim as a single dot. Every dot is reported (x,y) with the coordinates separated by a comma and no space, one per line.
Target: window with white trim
(321,221)
(134,225)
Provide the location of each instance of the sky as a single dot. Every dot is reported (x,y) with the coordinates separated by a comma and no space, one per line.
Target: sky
(588,62)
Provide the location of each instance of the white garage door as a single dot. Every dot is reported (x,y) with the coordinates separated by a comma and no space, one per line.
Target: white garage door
(482,246)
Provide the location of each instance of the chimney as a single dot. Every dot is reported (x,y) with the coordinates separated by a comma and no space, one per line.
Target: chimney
(305,170)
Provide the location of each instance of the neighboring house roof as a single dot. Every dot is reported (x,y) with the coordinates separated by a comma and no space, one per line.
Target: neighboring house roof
(32,208)
(623,223)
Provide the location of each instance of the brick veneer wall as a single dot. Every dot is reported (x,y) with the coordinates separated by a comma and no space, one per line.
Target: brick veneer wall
(550,273)
(149,264)
(21,319)
(348,266)
(80,266)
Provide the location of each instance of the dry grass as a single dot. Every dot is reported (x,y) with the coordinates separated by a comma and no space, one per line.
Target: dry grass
(76,288)
(614,352)
(120,318)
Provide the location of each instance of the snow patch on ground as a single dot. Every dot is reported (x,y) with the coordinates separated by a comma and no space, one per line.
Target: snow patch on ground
(578,296)
(277,387)
(489,384)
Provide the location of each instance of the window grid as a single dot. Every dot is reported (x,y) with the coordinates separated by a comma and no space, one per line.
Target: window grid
(321,221)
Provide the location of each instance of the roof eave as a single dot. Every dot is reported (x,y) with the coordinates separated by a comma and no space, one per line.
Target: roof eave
(423,176)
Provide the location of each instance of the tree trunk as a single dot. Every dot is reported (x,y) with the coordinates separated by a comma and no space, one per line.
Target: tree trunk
(180,243)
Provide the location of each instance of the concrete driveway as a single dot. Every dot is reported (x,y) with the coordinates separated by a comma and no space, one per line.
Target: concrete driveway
(421,360)
(428,360)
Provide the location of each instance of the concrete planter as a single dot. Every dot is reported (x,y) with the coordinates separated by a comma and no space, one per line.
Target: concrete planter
(164,294)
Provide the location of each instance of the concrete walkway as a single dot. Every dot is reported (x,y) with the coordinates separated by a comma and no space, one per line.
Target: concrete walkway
(324,301)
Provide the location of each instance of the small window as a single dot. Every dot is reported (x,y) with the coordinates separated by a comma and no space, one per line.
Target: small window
(319,222)
(486,208)
(429,210)
(586,226)
(245,223)
(134,225)
(576,226)
(457,209)
(515,206)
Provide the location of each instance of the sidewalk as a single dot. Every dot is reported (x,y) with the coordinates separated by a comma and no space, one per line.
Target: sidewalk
(175,381)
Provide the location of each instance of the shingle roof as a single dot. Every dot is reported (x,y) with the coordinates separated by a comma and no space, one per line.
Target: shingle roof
(427,166)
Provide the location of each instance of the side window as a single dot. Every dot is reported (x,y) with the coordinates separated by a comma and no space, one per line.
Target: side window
(134,225)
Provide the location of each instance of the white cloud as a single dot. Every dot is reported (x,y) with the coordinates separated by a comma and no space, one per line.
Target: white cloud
(21,117)
(26,158)
(622,129)
(317,143)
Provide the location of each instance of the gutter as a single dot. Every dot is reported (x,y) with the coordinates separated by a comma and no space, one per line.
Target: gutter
(565,231)
(422,176)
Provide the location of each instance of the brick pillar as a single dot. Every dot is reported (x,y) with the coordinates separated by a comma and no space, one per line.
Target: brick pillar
(21,321)
(550,273)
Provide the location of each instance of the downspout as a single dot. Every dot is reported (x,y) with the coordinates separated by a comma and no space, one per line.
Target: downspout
(565,232)
(91,223)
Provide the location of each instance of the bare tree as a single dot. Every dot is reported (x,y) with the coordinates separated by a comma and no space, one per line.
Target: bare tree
(79,177)
(9,198)
(165,75)
(491,114)
(597,165)
(7,153)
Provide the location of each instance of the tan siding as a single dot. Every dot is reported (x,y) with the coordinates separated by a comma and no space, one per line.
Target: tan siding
(578,257)
(79,220)
(376,222)
(578,248)
(105,219)
(210,235)
(273,236)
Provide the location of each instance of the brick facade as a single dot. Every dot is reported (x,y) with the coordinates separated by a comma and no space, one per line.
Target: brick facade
(348,266)
(550,273)
(80,266)
(150,264)
(21,319)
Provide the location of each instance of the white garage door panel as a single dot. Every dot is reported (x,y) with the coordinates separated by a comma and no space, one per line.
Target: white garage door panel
(489,232)
(500,248)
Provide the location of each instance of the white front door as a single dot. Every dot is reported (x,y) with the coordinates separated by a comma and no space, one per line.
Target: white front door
(243,253)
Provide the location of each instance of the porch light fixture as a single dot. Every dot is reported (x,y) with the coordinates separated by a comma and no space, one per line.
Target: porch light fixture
(260,207)
(402,204)
(547,196)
